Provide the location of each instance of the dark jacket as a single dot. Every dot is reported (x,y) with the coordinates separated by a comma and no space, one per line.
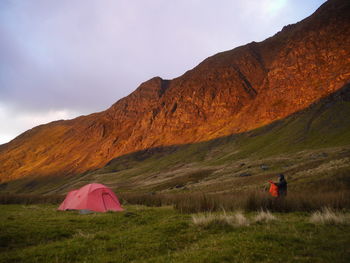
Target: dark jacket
(282,186)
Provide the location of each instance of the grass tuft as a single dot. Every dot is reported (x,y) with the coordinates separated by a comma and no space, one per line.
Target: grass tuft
(240,219)
(236,220)
(327,216)
(264,216)
(82,234)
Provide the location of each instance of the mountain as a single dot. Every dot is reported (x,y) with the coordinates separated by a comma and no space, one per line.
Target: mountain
(311,147)
(229,93)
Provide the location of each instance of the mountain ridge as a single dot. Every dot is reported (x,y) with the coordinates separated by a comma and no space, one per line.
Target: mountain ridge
(231,92)
(311,147)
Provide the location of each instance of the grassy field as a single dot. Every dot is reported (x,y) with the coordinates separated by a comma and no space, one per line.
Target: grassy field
(39,233)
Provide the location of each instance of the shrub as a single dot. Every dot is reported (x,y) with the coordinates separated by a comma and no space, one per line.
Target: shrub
(258,200)
(27,199)
(196,202)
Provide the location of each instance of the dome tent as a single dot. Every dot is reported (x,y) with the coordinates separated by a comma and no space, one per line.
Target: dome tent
(92,197)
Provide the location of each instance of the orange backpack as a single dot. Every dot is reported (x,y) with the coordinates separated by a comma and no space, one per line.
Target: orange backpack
(273,189)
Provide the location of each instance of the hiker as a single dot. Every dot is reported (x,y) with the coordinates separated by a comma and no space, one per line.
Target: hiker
(281,186)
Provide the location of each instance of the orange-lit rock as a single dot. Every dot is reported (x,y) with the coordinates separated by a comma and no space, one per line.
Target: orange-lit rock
(230,92)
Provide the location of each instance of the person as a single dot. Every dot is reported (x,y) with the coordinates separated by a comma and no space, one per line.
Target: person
(281,187)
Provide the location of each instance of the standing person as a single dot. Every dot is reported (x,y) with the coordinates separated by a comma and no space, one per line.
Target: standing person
(281,186)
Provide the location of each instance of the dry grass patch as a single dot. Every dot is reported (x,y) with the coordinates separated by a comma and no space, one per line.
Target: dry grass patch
(81,234)
(236,219)
(241,220)
(264,216)
(328,216)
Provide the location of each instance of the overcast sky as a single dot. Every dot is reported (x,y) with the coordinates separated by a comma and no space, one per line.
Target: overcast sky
(61,59)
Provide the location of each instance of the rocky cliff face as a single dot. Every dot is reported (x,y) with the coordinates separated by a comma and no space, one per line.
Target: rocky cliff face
(230,92)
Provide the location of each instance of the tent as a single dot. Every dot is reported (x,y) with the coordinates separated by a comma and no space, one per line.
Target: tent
(93,197)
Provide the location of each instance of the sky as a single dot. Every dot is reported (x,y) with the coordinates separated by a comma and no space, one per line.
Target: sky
(62,59)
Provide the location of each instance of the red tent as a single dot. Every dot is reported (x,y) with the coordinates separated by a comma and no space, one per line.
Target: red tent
(93,197)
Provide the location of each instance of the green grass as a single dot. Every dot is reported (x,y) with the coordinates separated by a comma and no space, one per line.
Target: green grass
(39,233)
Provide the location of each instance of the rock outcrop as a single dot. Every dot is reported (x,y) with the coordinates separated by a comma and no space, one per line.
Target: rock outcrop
(230,92)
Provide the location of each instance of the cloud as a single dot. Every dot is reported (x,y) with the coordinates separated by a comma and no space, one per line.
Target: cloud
(83,55)
(20,122)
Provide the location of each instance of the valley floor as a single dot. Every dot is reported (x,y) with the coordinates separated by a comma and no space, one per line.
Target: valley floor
(40,233)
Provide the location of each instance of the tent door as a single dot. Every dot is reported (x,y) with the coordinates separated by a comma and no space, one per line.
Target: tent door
(108,201)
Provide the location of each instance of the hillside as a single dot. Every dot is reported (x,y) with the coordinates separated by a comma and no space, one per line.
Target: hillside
(312,147)
(230,93)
